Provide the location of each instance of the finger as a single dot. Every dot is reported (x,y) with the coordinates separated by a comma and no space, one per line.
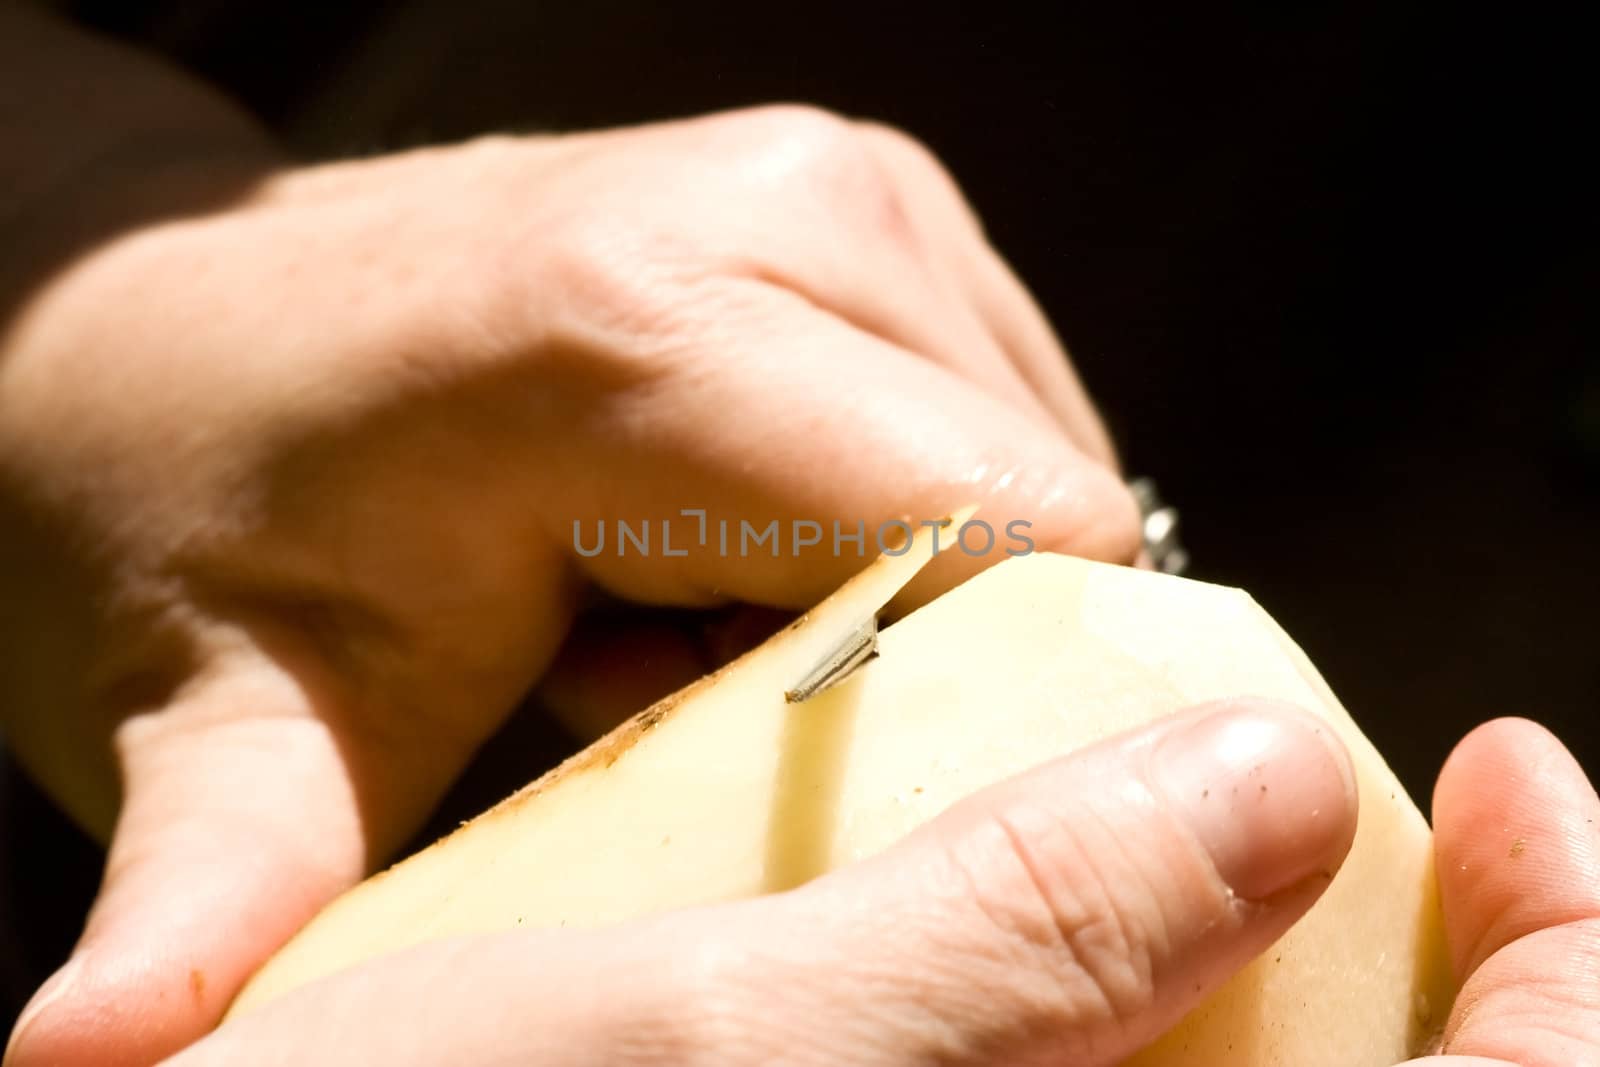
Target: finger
(1517,831)
(846,236)
(1067,916)
(987,284)
(1021,328)
(810,419)
(1517,834)
(896,286)
(1075,913)
(233,832)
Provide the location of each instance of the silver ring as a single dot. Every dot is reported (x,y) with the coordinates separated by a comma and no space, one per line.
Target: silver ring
(1159,526)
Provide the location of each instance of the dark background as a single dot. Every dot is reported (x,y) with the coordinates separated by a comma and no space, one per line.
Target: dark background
(1329,274)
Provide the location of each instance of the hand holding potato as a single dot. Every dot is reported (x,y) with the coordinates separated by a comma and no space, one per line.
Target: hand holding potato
(287,491)
(287,485)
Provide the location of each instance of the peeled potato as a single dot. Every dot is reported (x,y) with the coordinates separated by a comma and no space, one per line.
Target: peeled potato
(725,790)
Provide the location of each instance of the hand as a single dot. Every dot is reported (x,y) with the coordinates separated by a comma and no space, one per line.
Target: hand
(1517,835)
(1070,915)
(287,490)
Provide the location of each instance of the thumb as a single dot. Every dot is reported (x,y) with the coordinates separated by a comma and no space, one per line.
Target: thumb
(1070,915)
(239,820)
(1517,846)
(1077,912)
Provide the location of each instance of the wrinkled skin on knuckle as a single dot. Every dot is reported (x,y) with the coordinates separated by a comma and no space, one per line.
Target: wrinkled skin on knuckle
(600,303)
(605,277)
(621,258)
(1072,914)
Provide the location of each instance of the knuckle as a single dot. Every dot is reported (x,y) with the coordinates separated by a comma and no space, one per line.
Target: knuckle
(604,307)
(595,263)
(905,148)
(808,154)
(592,284)
(1063,903)
(800,138)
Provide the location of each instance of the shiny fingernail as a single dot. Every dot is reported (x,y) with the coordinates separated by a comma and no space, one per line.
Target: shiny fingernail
(1268,792)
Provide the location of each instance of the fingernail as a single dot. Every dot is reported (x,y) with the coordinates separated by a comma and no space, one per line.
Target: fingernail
(1269,794)
(54,988)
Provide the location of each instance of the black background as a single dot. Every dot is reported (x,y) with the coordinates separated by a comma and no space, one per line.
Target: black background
(1328,273)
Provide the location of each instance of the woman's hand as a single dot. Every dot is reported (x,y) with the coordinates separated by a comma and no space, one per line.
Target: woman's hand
(288,490)
(1070,915)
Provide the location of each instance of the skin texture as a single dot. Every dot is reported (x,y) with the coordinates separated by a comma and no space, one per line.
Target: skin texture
(1517,833)
(289,458)
(1066,916)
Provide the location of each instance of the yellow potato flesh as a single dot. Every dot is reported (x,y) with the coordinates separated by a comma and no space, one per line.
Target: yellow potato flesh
(726,791)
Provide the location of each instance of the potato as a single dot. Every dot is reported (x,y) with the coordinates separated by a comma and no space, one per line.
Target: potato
(725,790)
